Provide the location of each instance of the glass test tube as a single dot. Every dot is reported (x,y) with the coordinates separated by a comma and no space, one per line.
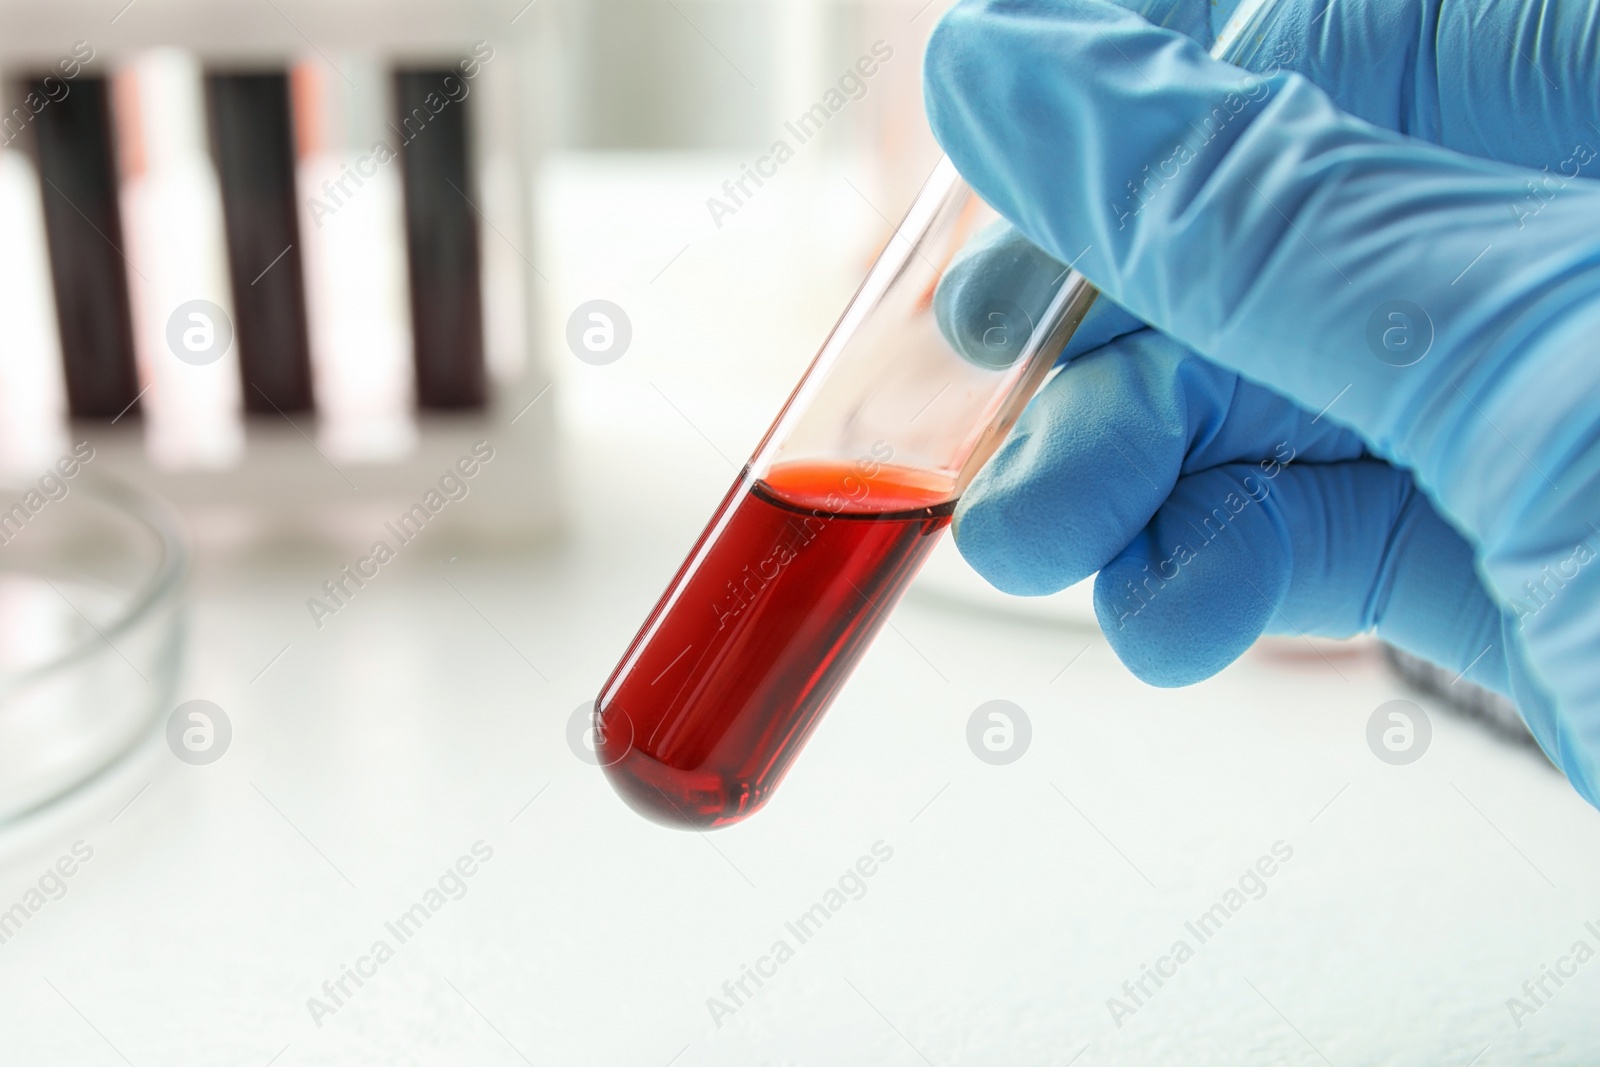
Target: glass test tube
(828,522)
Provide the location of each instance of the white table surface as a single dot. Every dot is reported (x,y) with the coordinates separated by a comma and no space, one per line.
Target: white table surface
(432,714)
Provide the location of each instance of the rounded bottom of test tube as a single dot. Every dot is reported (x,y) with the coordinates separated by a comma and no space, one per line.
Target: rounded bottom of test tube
(683,800)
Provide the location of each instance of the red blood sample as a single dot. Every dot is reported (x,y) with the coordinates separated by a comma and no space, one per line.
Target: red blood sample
(765,620)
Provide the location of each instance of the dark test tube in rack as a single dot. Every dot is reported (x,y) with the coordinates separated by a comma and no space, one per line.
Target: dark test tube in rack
(441,240)
(252,140)
(72,145)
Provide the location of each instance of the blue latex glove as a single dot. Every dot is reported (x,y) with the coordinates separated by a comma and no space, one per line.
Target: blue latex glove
(1259,461)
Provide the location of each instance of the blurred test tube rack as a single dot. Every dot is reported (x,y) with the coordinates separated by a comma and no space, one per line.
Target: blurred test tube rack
(274,261)
(345,193)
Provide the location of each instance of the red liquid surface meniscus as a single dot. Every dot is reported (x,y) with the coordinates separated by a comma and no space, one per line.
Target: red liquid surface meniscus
(788,585)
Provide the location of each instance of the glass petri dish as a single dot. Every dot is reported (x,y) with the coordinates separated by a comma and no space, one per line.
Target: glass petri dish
(91,576)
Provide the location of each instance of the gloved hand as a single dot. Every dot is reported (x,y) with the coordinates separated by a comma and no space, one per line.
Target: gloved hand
(1369,397)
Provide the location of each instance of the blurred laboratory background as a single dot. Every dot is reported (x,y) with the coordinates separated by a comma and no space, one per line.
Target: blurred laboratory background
(283,281)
